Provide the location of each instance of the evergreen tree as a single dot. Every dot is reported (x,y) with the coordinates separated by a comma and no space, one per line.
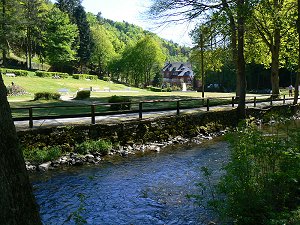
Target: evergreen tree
(85,37)
(9,24)
(69,7)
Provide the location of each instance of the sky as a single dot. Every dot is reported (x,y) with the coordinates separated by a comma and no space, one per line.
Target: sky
(133,11)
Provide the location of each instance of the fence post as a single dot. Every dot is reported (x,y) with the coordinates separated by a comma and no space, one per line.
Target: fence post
(178,106)
(254,101)
(283,99)
(271,100)
(207,104)
(30,118)
(140,110)
(232,101)
(93,114)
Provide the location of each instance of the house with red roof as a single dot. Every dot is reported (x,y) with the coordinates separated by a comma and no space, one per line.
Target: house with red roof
(176,73)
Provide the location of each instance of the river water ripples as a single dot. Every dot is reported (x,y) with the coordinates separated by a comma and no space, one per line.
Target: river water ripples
(140,189)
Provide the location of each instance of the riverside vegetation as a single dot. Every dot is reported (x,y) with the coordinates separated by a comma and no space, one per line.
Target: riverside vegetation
(261,181)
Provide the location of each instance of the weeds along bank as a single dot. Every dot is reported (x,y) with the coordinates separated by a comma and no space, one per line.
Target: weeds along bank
(88,143)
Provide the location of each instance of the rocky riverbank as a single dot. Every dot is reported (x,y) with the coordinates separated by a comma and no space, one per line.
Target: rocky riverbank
(74,159)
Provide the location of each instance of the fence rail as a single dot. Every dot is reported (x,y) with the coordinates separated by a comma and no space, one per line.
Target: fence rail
(91,109)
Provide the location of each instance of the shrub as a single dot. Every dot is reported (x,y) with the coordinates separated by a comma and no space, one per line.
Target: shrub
(120,99)
(99,146)
(261,180)
(85,76)
(157,89)
(106,78)
(51,74)
(46,96)
(42,155)
(79,76)
(83,94)
(15,90)
(21,73)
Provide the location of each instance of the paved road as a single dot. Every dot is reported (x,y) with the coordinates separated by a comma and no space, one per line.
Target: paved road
(24,125)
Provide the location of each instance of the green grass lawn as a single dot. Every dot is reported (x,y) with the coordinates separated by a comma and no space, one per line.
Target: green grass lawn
(35,84)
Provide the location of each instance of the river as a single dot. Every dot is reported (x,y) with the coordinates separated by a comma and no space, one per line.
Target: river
(148,188)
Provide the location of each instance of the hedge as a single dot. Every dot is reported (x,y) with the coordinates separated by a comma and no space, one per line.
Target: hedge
(157,89)
(83,94)
(106,78)
(46,96)
(85,76)
(51,74)
(120,99)
(21,73)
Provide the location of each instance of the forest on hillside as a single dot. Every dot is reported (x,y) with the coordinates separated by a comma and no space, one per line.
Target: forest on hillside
(37,34)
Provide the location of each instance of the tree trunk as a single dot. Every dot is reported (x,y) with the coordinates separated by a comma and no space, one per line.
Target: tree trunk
(17,202)
(275,48)
(3,38)
(241,60)
(275,63)
(298,72)
(233,44)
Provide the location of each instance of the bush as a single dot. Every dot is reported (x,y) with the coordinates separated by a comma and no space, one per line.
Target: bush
(15,90)
(42,155)
(106,78)
(99,146)
(46,96)
(157,89)
(51,74)
(120,99)
(21,73)
(85,76)
(83,94)
(261,180)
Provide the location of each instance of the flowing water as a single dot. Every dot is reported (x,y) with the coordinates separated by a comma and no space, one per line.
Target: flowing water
(149,188)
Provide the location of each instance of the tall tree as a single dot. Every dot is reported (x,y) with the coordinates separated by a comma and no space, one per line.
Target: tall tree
(9,23)
(69,6)
(78,16)
(241,64)
(59,38)
(86,43)
(298,71)
(17,202)
(103,52)
(174,10)
(32,22)
(270,26)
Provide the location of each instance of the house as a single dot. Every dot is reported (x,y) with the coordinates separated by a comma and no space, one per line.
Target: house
(176,73)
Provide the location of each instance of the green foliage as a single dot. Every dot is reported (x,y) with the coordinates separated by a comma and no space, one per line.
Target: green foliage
(23,73)
(59,39)
(51,74)
(85,76)
(86,43)
(83,94)
(158,89)
(40,155)
(106,78)
(100,146)
(262,177)
(46,96)
(119,99)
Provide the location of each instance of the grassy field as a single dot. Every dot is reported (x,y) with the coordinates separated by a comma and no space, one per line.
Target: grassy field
(35,84)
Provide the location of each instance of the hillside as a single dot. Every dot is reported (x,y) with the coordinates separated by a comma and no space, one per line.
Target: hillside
(64,38)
